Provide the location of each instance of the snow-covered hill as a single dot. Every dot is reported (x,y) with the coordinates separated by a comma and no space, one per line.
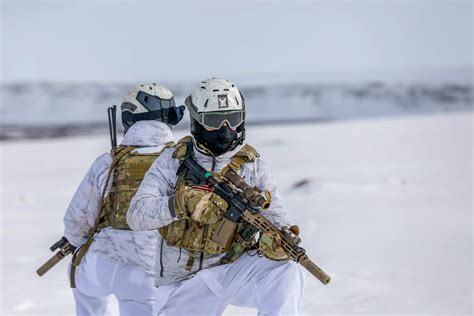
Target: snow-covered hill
(39,110)
(384,206)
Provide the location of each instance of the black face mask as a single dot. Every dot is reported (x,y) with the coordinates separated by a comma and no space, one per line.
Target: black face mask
(219,141)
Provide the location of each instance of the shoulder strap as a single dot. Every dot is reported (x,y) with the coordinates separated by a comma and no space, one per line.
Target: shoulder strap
(154,154)
(120,152)
(181,146)
(246,154)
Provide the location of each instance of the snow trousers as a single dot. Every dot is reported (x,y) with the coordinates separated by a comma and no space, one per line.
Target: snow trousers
(98,280)
(273,287)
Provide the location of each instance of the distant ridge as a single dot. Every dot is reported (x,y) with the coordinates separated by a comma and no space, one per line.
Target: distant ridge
(46,109)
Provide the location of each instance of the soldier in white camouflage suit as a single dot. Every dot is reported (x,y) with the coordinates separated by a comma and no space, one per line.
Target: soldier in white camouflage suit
(111,259)
(194,275)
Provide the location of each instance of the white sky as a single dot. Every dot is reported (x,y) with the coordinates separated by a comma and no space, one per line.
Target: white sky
(111,40)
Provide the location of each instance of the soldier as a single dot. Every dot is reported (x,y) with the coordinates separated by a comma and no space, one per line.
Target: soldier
(111,259)
(195,276)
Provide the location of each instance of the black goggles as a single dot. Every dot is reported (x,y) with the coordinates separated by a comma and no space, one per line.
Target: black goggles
(215,120)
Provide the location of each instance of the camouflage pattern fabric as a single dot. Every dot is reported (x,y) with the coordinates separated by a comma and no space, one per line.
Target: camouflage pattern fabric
(198,205)
(270,246)
(127,178)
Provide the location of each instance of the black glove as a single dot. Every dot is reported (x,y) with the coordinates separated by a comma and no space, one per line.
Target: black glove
(175,114)
(61,243)
(73,248)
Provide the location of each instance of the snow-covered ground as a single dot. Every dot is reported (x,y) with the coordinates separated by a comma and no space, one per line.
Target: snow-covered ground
(384,206)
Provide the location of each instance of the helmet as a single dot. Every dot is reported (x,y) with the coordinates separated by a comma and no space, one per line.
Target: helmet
(217,111)
(150,102)
(215,101)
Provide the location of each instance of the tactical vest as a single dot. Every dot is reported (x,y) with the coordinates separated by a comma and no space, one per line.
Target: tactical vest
(196,237)
(127,177)
(127,171)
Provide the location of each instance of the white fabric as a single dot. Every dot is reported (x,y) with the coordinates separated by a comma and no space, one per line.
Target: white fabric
(133,249)
(149,208)
(99,280)
(273,287)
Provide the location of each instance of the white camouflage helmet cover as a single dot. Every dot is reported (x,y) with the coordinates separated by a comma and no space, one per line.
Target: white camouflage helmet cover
(214,101)
(150,102)
(213,95)
(151,89)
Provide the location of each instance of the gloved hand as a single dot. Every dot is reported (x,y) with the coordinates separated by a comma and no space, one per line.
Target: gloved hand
(199,205)
(72,248)
(270,244)
(175,114)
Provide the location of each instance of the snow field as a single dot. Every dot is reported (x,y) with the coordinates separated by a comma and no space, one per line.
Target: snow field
(384,206)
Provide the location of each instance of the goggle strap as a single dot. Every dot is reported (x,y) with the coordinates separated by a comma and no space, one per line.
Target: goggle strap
(161,114)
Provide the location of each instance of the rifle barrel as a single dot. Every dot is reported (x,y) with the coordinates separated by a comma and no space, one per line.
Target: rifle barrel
(314,270)
(52,262)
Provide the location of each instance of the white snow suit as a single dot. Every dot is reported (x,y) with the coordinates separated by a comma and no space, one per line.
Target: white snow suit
(223,284)
(120,262)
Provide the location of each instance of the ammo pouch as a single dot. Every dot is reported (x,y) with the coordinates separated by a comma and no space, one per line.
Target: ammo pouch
(192,236)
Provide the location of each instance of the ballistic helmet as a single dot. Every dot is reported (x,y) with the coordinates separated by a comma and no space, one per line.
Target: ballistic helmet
(150,102)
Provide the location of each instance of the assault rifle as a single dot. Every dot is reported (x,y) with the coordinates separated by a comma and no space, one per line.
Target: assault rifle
(65,248)
(63,244)
(244,204)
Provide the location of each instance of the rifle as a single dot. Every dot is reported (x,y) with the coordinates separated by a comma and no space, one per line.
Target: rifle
(64,245)
(65,248)
(244,205)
